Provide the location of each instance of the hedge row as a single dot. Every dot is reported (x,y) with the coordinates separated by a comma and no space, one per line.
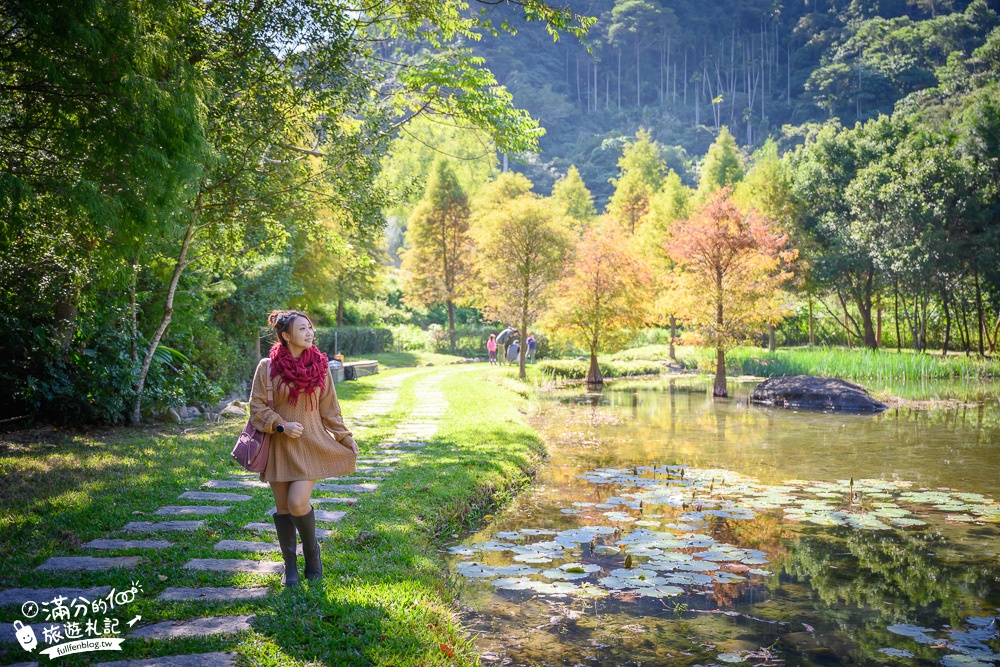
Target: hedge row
(353,341)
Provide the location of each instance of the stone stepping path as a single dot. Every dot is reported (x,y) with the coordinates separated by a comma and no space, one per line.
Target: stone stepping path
(410,435)
(235,565)
(18,596)
(325,516)
(235,484)
(88,563)
(213,593)
(336,501)
(380,403)
(155,526)
(254,547)
(129,544)
(192,509)
(268,527)
(191,660)
(351,488)
(198,627)
(222,497)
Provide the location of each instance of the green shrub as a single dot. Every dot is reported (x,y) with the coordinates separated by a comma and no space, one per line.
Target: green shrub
(353,341)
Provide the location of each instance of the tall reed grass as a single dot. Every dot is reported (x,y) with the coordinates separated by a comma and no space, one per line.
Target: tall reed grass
(856,364)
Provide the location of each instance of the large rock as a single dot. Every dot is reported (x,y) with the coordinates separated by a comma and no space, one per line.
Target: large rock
(815,393)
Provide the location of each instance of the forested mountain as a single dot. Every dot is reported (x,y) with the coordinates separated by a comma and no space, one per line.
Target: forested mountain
(684,68)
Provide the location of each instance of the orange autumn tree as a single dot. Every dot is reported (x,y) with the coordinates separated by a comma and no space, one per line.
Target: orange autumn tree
(731,264)
(604,293)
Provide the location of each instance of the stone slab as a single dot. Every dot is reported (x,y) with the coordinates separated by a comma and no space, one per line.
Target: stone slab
(389,449)
(198,627)
(335,501)
(88,562)
(379,460)
(128,544)
(7,632)
(374,469)
(211,594)
(222,497)
(322,533)
(351,479)
(154,526)
(235,484)
(348,488)
(190,660)
(182,510)
(235,565)
(18,596)
(255,547)
(327,516)
(406,444)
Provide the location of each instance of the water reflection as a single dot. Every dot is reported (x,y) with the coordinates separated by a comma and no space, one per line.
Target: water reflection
(828,595)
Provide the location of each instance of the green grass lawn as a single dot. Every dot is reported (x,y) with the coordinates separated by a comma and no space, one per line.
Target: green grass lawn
(410,359)
(384,599)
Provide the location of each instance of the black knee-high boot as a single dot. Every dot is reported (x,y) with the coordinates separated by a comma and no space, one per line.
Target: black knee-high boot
(306,525)
(285,528)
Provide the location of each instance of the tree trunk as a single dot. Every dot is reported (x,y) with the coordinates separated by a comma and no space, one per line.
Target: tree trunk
(256,344)
(594,374)
(673,337)
(719,387)
(133,308)
(67,308)
(812,339)
(895,291)
(979,312)
(619,78)
(451,324)
(864,303)
(522,349)
(168,312)
(947,322)
(772,339)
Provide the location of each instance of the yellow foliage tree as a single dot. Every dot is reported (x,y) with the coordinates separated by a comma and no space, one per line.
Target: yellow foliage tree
(521,248)
(604,294)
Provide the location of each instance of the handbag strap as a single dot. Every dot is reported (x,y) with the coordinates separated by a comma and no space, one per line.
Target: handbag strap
(270,388)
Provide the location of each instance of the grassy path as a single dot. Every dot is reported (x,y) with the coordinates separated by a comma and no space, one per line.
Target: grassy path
(440,448)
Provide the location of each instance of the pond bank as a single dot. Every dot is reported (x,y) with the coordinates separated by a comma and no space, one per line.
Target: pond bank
(385,597)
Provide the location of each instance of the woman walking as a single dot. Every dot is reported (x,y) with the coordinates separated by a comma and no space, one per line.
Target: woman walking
(491,347)
(309,440)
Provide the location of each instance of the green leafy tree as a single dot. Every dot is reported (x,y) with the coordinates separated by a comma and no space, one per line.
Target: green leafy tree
(641,174)
(722,166)
(570,193)
(438,259)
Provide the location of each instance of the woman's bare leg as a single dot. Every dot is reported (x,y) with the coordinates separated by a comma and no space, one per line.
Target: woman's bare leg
(280,491)
(298,495)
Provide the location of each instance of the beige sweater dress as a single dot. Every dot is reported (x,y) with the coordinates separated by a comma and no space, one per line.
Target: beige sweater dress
(323,449)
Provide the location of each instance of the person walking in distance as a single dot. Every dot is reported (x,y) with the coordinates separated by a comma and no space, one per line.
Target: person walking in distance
(532,346)
(491,347)
(309,440)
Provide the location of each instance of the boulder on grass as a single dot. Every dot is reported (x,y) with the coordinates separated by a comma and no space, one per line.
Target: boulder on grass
(815,393)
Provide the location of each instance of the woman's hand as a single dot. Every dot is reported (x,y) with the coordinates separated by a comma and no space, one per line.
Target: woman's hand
(293,429)
(353,447)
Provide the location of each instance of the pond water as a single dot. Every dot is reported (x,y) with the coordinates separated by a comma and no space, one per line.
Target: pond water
(670,528)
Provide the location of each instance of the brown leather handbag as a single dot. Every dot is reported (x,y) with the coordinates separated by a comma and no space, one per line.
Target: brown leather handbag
(252,446)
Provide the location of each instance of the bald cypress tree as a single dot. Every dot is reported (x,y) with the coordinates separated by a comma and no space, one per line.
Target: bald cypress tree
(437,262)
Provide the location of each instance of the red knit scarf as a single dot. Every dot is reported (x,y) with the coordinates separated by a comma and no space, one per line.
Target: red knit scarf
(303,375)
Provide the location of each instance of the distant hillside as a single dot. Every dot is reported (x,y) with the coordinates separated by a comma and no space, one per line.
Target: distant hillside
(682,69)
